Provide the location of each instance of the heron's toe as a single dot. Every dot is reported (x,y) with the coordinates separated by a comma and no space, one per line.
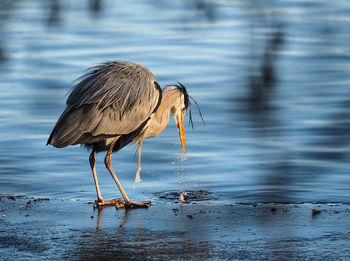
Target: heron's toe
(142,204)
(111,202)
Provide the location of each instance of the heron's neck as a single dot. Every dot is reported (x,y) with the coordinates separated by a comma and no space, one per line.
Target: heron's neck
(169,98)
(160,118)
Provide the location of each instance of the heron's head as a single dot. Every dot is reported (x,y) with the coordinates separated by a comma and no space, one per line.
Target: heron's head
(179,109)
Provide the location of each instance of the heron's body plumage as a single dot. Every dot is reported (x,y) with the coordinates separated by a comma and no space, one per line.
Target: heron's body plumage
(113,100)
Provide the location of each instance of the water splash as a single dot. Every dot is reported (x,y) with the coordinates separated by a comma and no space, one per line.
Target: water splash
(179,170)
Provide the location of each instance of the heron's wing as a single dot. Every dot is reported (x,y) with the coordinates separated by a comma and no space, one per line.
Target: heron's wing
(114,98)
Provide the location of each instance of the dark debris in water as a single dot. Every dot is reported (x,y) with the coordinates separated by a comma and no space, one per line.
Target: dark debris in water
(315,211)
(11,197)
(29,200)
(187,196)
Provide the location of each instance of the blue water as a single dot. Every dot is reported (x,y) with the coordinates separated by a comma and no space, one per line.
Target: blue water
(271,78)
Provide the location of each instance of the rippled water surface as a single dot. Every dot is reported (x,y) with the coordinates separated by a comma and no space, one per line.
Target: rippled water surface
(271,78)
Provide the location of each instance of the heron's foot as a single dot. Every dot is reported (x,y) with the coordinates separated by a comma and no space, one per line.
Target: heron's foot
(133,204)
(105,202)
(138,179)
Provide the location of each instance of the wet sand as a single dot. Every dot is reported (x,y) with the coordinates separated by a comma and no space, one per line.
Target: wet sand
(51,229)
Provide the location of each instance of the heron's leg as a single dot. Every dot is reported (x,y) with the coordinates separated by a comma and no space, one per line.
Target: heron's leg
(108,163)
(100,201)
(138,178)
(128,202)
(93,168)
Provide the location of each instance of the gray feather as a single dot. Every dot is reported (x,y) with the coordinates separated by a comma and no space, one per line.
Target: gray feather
(112,99)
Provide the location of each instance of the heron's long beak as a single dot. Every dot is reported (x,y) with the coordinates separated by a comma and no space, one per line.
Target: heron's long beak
(180,125)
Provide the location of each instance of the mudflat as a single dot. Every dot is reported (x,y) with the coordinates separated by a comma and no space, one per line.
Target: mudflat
(45,228)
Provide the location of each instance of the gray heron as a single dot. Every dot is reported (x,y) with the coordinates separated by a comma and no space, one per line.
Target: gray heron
(115,103)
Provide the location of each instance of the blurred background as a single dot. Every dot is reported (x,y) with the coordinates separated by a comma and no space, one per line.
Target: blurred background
(271,78)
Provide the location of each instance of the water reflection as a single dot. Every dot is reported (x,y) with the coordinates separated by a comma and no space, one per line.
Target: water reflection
(54,13)
(6,8)
(280,169)
(100,214)
(99,217)
(205,7)
(266,39)
(95,7)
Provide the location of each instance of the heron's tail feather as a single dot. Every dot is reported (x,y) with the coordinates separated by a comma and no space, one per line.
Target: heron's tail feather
(60,139)
(68,129)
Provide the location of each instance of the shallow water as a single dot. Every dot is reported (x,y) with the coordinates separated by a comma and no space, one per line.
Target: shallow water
(272,81)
